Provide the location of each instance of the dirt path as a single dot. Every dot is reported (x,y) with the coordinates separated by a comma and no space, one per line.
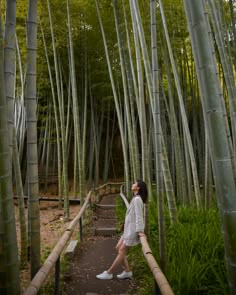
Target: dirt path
(94,256)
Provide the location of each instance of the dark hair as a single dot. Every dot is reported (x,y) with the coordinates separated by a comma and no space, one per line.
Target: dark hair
(142,190)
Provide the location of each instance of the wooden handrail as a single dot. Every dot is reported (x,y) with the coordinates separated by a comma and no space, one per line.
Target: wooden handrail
(125,200)
(106,184)
(50,262)
(160,278)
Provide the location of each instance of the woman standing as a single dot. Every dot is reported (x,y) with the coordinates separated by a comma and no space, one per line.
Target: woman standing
(133,229)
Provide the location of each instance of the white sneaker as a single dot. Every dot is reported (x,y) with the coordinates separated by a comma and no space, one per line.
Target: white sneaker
(125,275)
(105,276)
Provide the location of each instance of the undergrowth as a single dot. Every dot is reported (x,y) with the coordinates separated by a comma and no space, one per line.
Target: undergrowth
(195,252)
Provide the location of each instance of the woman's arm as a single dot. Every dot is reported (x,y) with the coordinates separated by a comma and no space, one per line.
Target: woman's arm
(138,206)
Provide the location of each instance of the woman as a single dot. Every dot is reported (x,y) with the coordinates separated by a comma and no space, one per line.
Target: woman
(133,229)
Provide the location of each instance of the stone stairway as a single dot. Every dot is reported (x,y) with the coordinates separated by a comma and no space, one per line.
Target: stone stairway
(105,219)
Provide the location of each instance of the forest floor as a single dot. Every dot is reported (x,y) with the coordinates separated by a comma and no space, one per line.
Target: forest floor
(52,226)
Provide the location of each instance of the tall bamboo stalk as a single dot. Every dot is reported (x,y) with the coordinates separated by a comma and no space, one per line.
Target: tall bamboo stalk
(48,139)
(140,42)
(57,122)
(85,121)
(210,90)
(61,122)
(179,161)
(20,123)
(95,140)
(232,14)
(9,264)
(125,89)
(21,203)
(227,66)
(120,121)
(107,144)
(157,137)
(76,115)
(32,154)
(133,91)
(183,112)
(64,149)
(153,107)
(10,63)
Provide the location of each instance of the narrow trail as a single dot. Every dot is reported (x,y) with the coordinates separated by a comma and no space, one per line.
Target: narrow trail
(95,255)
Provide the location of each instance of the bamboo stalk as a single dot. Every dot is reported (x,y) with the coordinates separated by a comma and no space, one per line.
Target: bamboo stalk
(9,264)
(20,193)
(183,112)
(217,128)
(76,113)
(56,116)
(10,64)
(32,154)
(125,89)
(139,41)
(120,121)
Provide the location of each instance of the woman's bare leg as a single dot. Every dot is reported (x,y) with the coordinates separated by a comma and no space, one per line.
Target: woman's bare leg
(125,263)
(119,244)
(120,259)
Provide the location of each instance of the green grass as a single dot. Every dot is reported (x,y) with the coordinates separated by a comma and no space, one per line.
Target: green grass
(195,253)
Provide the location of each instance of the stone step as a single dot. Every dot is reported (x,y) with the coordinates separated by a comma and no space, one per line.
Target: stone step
(109,200)
(104,222)
(71,248)
(105,225)
(105,206)
(105,214)
(105,231)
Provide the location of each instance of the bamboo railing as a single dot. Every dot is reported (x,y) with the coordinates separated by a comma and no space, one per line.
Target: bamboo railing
(54,257)
(160,278)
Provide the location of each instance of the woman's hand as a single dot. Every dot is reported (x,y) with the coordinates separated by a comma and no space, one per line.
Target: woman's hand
(142,234)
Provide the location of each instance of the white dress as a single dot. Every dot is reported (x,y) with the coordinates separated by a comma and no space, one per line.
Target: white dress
(134,222)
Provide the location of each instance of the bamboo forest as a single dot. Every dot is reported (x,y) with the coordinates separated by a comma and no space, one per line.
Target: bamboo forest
(95,96)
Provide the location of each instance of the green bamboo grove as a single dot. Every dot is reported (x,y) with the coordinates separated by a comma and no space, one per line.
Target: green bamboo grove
(121,90)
